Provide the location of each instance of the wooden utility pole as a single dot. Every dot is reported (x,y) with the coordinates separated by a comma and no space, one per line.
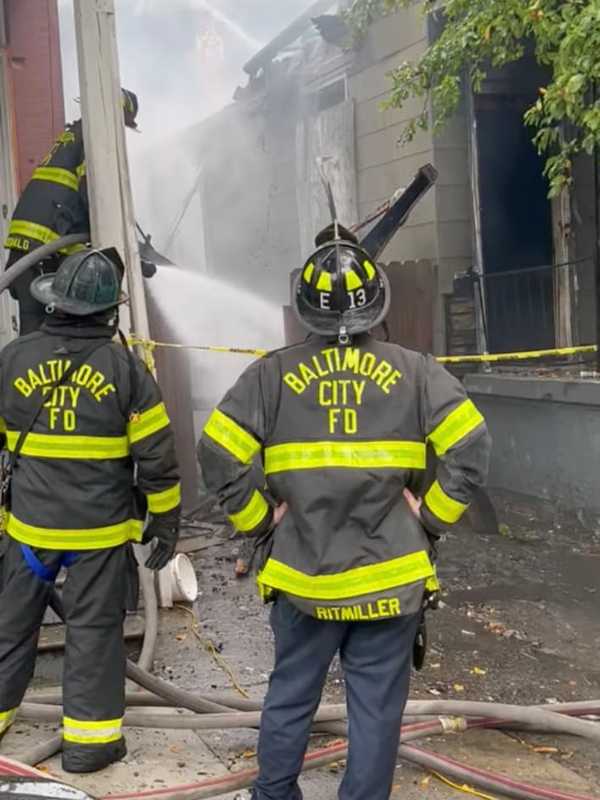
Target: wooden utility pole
(564,311)
(111,205)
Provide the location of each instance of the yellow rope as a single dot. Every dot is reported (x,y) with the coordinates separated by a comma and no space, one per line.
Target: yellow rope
(210,648)
(486,358)
(463,787)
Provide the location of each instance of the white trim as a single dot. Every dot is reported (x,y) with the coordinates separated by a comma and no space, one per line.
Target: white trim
(8,195)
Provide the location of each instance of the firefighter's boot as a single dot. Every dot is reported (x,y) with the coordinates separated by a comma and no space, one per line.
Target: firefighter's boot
(86,759)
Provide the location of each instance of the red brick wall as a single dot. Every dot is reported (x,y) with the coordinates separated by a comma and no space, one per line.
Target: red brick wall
(36,81)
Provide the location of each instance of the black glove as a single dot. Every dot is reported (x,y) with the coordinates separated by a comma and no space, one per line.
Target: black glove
(165,528)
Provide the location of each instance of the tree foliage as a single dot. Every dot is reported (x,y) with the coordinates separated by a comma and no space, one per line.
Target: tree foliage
(479,34)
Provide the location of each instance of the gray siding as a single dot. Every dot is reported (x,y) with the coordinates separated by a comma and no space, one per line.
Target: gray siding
(383,165)
(440,228)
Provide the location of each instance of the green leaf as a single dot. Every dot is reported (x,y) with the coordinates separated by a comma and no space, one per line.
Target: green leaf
(566,38)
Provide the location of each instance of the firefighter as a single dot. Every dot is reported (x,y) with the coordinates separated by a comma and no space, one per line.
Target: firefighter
(342,423)
(53,204)
(99,455)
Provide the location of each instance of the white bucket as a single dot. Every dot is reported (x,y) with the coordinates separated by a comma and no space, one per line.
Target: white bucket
(177,582)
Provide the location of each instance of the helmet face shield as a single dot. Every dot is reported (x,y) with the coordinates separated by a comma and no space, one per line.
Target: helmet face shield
(340,290)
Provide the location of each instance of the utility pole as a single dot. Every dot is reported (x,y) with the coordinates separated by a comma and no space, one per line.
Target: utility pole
(111,205)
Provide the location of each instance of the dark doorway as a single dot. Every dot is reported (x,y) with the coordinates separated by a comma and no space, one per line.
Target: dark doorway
(516,217)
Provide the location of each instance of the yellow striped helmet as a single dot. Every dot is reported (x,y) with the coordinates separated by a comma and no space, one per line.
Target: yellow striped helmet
(340,291)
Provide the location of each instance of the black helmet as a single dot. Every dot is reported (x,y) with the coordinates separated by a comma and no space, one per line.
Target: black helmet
(86,283)
(130,108)
(340,291)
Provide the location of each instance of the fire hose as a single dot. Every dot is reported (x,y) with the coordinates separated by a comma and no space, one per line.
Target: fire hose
(533,718)
(210,715)
(484,779)
(228,711)
(207,717)
(39,254)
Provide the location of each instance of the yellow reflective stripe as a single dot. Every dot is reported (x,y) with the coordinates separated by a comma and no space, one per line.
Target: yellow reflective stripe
(355,455)
(370,269)
(84,732)
(73,248)
(443,506)
(309,272)
(93,725)
(19,227)
(433,584)
(353,281)
(76,538)
(231,437)
(161,502)
(251,515)
(324,283)
(2,425)
(147,423)
(7,718)
(81,170)
(458,424)
(57,175)
(84,448)
(352,583)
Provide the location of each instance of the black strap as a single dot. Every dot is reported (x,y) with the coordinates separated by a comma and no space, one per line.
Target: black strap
(76,363)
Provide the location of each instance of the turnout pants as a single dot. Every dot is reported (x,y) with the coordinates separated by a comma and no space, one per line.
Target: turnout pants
(95,597)
(376,660)
(31,313)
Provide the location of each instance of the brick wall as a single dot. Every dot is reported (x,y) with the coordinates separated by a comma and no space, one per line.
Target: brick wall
(35,80)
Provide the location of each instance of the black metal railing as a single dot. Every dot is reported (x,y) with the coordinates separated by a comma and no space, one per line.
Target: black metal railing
(525,309)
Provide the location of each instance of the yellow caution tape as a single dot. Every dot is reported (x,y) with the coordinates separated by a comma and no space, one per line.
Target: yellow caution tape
(490,358)
(244,351)
(485,358)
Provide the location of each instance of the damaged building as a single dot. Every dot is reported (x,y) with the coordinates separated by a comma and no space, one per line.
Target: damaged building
(253,200)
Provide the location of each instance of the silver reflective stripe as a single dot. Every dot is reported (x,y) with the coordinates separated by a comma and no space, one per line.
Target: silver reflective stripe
(84,732)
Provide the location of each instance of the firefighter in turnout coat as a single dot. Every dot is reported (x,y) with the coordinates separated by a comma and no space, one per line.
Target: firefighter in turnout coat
(94,420)
(53,204)
(342,424)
